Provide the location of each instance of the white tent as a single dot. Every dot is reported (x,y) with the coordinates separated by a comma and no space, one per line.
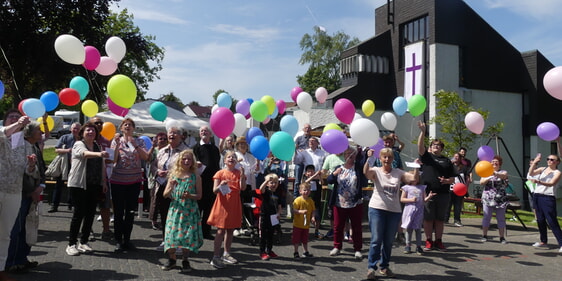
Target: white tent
(145,124)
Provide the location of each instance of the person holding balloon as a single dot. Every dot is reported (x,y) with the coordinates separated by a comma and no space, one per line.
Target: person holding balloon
(105,199)
(457,200)
(494,199)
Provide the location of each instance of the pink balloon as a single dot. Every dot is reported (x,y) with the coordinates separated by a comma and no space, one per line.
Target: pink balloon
(117,110)
(243,107)
(321,94)
(107,66)
(295,93)
(93,58)
(548,131)
(334,141)
(344,110)
(552,82)
(222,122)
(281,106)
(474,122)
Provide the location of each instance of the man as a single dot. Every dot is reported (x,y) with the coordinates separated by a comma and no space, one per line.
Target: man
(301,143)
(438,173)
(104,201)
(311,156)
(208,155)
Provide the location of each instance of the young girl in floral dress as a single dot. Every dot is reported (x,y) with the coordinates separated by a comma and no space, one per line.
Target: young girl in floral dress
(183,224)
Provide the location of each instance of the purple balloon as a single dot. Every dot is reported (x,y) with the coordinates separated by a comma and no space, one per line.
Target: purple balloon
(485,153)
(334,141)
(377,147)
(548,131)
(243,107)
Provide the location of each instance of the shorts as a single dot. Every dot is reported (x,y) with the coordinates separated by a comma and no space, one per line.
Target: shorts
(437,207)
(300,235)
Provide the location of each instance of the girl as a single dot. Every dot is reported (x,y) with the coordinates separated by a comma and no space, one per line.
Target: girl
(412,216)
(269,207)
(183,223)
(226,213)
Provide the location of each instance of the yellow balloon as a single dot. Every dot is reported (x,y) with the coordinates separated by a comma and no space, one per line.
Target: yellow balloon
(331,126)
(90,108)
(50,123)
(368,107)
(108,130)
(270,102)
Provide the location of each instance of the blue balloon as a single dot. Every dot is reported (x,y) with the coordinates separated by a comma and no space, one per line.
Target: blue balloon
(275,113)
(33,108)
(289,124)
(400,105)
(1,89)
(224,100)
(250,100)
(50,99)
(253,132)
(259,147)
(147,141)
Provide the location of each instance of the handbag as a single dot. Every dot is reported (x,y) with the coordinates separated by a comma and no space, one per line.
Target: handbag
(32,224)
(58,167)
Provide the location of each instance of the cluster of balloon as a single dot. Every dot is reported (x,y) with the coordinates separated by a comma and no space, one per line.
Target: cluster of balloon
(548,131)
(474,122)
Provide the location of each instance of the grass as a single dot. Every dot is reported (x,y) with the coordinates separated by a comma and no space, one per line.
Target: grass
(526,216)
(48,155)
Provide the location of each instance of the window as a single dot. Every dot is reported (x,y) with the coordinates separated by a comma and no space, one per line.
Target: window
(413,31)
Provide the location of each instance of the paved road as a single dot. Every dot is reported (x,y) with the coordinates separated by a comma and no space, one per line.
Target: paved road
(466,259)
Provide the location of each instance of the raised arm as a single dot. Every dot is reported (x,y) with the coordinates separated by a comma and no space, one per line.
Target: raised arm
(421,138)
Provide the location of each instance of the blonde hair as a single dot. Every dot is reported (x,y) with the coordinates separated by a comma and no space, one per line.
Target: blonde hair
(304,186)
(272,177)
(177,168)
(230,152)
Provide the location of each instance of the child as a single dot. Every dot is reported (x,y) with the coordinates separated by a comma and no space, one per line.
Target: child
(412,216)
(226,213)
(269,208)
(303,214)
(313,178)
(183,224)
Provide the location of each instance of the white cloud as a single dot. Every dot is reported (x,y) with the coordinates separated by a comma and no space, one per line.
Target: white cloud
(538,9)
(256,33)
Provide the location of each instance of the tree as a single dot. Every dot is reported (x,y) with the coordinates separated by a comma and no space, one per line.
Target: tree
(451,110)
(323,52)
(172,98)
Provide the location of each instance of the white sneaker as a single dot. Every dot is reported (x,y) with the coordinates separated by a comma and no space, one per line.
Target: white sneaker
(358,255)
(236,232)
(560,251)
(84,248)
(112,219)
(72,251)
(540,245)
(229,259)
(99,218)
(160,247)
(335,252)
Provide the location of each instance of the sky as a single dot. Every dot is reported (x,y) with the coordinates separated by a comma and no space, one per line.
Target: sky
(251,48)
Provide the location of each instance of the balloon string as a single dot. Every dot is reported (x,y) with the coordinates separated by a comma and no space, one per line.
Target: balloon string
(12,72)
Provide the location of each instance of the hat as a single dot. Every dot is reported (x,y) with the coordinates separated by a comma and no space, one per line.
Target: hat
(240,140)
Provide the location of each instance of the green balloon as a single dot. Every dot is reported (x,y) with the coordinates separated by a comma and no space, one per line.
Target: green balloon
(282,145)
(122,90)
(416,105)
(330,126)
(258,110)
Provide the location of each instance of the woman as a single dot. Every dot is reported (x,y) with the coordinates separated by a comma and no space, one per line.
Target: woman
(126,179)
(347,203)
(544,198)
(494,198)
(384,210)
(456,202)
(159,142)
(251,167)
(85,186)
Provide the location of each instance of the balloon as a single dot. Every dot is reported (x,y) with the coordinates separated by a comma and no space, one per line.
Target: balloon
(115,48)
(108,130)
(259,147)
(400,105)
(388,120)
(1,89)
(215,107)
(122,90)
(117,110)
(416,105)
(20,106)
(460,189)
(270,102)
(321,94)
(70,49)
(304,101)
(50,99)
(107,66)
(50,123)
(474,122)
(90,108)
(344,110)
(289,124)
(239,124)
(253,132)
(222,122)
(92,59)
(281,106)
(224,100)
(552,82)
(484,169)
(485,153)
(295,93)
(69,96)
(334,141)
(147,141)
(364,132)
(275,113)
(331,126)
(368,107)
(548,131)
(243,107)
(250,100)
(33,108)
(282,145)
(377,147)
(81,85)
(158,111)
(258,110)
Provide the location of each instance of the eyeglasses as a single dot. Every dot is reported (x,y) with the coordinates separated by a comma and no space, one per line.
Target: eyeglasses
(13,116)
(162,139)
(551,159)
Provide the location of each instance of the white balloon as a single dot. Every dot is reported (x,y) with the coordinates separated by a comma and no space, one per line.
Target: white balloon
(107,66)
(215,107)
(239,124)
(364,132)
(388,120)
(70,49)
(304,101)
(356,116)
(115,48)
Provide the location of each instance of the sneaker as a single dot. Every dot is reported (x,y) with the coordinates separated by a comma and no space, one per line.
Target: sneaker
(99,218)
(419,250)
(229,259)
(112,219)
(236,233)
(458,224)
(296,256)
(371,274)
(386,272)
(560,250)
(107,235)
(318,235)
(171,264)
(160,247)
(346,237)
(155,226)
(407,250)
(307,255)
(503,241)
(439,245)
(185,266)
(264,256)
(84,248)
(358,255)
(484,238)
(217,262)
(329,234)
(428,245)
(272,254)
(335,252)
(72,251)
(540,245)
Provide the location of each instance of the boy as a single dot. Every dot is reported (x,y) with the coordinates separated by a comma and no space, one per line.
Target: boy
(303,213)
(268,215)
(313,178)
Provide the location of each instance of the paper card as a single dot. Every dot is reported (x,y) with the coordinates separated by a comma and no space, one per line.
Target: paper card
(17,140)
(412,165)
(201,169)
(274,220)
(224,189)
(111,152)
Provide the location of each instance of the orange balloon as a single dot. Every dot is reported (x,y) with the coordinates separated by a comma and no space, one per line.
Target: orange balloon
(484,169)
(108,130)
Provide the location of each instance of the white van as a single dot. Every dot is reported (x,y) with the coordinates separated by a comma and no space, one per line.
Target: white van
(68,117)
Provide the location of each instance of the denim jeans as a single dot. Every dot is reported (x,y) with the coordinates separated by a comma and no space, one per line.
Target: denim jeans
(383,225)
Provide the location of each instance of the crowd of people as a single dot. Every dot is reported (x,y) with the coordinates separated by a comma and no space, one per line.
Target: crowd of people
(200,187)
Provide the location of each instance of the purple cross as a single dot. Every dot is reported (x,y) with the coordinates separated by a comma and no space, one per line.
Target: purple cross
(413,69)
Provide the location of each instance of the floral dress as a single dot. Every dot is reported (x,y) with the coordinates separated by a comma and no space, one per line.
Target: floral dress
(494,194)
(183,225)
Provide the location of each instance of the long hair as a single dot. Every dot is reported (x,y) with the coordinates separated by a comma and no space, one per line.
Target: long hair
(177,168)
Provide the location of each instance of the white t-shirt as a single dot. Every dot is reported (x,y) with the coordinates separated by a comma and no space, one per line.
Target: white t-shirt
(386,192)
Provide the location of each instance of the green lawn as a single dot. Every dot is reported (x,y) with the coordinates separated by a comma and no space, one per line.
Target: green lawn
(48,155)
(526,216)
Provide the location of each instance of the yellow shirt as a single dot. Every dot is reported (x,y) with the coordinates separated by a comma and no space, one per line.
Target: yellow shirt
(303,220)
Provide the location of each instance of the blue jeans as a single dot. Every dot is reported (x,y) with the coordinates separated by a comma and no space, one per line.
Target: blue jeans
(383,225)
(19,250)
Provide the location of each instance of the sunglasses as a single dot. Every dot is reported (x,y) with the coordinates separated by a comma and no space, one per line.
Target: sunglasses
(551,159)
